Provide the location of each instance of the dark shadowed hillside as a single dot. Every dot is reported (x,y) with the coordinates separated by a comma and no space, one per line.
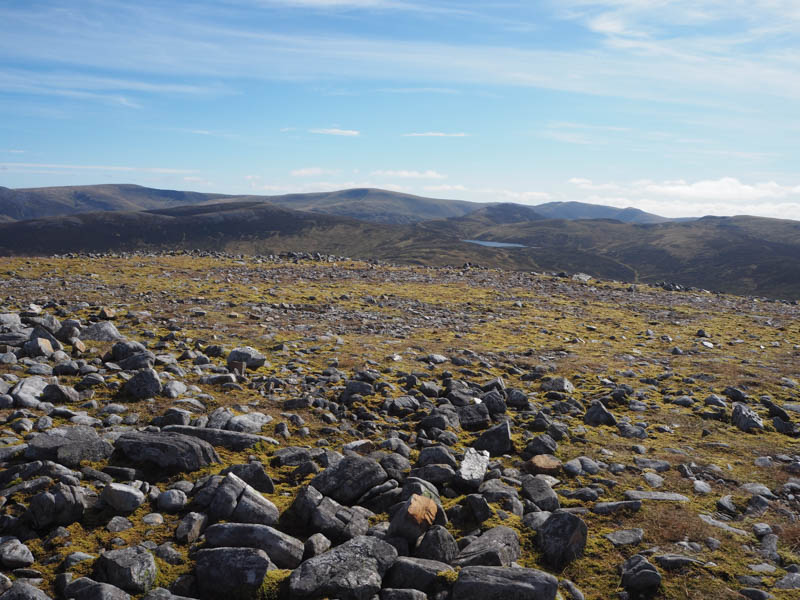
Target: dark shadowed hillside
(744,255)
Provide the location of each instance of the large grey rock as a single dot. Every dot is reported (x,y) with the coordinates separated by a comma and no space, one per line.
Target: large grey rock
(20,590)
(84,588)
(60,505)
(745,418)
(191,527)
(232,440)
(659,496)
(472,470)
(640,578)
(538,491)
(437,544)
(133,569)
(417,573)
(251,357)
(102,331)
(598,414)
(626,537)
(498,546)
(501,583)
(69,446)
(315,512)
(474,417)
(558,384)
(284,550)
(144,384)
(233,573)
(169,451)
(60,394)
(253,474)
(349,479)
(562,539)
(252,507)
(14,555)
(121,497)
(27,393)
(352,571)
(496,440)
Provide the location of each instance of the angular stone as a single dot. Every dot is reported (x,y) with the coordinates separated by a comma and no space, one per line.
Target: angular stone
(472,470)
(351,571)
(251,357)
(122,498)
(626,537)
(660,496)
(14,555)
(437,544)
(232,440)
(102,331)
(84,588)
(498,546)
(417,573)
(284,550)
(144,384)
(543,464)
(640,578)
(562,538)
(745,418)
(235,573)
(169,451)
(597,414)
(500,583)
(495,440)
(133,569)
(349,479)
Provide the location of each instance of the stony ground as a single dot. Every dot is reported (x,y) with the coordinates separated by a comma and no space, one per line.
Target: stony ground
(308,427)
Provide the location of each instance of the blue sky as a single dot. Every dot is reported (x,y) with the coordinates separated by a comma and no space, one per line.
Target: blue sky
(683,107)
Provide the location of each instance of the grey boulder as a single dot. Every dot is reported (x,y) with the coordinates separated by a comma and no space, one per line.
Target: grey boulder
(351,571)
(133,569)
(284,550)
(168,451)
(501,583)
(562,538)
(231,572)
(349,479)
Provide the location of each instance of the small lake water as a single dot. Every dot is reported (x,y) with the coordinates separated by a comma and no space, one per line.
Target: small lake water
(494,244)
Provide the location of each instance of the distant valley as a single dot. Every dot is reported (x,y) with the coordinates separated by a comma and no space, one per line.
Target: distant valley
(741,255)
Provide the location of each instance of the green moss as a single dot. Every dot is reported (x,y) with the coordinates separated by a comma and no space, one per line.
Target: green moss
(275,585)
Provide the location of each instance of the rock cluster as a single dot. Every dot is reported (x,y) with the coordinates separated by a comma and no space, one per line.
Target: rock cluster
(139,460)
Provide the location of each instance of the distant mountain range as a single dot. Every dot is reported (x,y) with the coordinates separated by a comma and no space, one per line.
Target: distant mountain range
(364,204)
(743,255)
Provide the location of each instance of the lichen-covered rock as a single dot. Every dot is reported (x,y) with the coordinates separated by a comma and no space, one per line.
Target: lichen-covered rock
(351,571)
(501,583)
(233,573)
(172,452)
(132,569)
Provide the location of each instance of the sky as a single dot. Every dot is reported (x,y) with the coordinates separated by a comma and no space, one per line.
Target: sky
(677,107)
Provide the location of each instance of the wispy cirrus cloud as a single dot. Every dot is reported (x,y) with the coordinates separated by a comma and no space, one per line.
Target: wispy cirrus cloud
(313,172)
(436,134)
(336,131)
(16,166)
(429,174)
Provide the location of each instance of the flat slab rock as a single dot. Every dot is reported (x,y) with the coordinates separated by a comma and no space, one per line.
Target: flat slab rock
(167,450)
(233,440)
(660,496)
(504,583)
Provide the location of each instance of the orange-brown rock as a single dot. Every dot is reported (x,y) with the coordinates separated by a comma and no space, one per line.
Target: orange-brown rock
(543,464)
